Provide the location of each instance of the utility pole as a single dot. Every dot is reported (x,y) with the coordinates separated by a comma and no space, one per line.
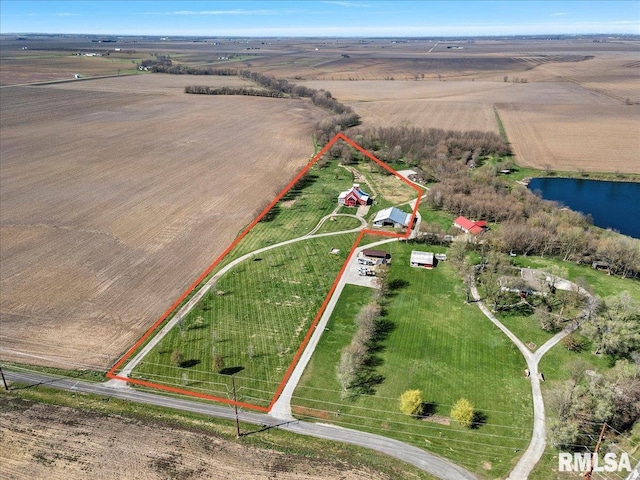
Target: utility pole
(594,455)
(6,387)
(235,406)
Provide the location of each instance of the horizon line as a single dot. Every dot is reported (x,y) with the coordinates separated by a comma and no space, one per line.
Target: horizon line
(479,35)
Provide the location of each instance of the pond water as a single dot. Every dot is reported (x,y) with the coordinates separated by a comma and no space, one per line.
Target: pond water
(614,205)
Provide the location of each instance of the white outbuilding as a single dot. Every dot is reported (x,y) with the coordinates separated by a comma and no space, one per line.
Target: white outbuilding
(391,217)
(422,259)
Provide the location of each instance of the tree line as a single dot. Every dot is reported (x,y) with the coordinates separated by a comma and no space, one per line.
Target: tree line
(356,370)
(344,116)
(426,147)
(531,225)
(278,87)
(253,92)
(587,400)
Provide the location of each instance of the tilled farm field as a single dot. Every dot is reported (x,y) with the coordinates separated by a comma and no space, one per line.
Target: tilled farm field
(58,443)
(551,125)
(112,203)
(575,137)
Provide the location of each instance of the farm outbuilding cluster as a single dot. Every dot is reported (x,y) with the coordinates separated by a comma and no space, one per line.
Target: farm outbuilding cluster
(369,260)
(373,257)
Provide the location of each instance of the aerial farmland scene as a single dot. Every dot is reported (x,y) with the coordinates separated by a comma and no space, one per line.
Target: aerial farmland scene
(320,240)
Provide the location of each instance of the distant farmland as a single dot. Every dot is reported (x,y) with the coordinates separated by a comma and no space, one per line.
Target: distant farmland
(574,137)
(112,203)
(558,125)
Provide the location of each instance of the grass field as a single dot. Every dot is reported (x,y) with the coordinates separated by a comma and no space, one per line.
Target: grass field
(338,224)
(257,325)
(258,313)
(448,353)
(388,188)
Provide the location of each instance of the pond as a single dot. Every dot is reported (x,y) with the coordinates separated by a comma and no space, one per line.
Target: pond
(614,205)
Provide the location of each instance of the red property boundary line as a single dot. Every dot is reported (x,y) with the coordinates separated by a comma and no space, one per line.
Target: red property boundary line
(112,372)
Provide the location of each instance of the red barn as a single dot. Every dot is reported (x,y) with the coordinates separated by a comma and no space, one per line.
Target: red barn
(353,197)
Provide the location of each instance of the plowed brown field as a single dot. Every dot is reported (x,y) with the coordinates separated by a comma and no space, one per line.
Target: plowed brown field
(113,202)
(560,125)
(59,443)
(575,137)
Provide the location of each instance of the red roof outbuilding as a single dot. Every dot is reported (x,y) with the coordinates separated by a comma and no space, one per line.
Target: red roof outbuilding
(470,226)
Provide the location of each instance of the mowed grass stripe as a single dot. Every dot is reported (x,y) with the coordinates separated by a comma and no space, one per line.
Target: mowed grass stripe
(442,346)
(257,324)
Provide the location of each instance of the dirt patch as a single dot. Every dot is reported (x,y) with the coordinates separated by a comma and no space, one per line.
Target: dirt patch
(57,443)
(312,412)
(439,419)
(574,137)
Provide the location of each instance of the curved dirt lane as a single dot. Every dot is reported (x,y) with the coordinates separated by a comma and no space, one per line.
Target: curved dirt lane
(538,443)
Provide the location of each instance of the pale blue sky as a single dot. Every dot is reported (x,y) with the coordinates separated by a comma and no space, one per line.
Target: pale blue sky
(320,18)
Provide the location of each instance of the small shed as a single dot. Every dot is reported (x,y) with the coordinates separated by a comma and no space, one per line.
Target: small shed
(422,259)
(373,257)
(597,265)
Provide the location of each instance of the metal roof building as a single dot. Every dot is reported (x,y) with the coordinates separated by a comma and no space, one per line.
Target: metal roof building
(391,217)
(421,259)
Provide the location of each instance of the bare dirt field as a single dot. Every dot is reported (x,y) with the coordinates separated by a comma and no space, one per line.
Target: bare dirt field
(58,443)
(46,66)
(408,59)
(113,202)
(575,137)
(558,124)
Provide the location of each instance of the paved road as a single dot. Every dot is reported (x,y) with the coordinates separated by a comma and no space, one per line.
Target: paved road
(428,462)
(634,474)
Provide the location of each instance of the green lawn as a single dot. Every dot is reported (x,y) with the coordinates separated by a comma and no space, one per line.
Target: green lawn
(440,345)
(525,327)
(338,224)
(269,302)
(429,215)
